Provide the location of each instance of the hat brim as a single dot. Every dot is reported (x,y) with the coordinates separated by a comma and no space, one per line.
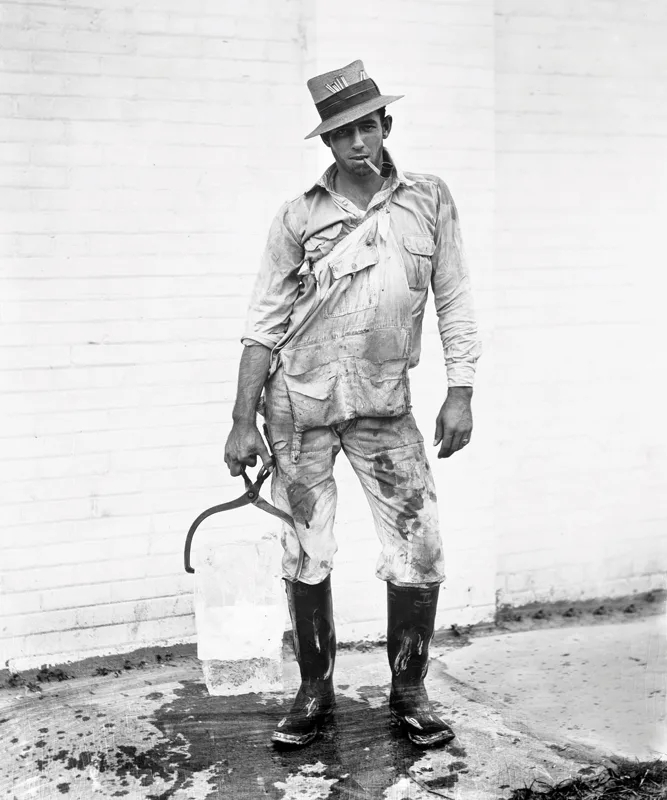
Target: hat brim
(355,112)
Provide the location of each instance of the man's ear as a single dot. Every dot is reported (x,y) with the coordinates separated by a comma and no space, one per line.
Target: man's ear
(386,126)
(325,137)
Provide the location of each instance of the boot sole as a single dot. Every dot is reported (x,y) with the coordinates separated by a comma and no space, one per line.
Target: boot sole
(293,740)
(429,740)
(290,740)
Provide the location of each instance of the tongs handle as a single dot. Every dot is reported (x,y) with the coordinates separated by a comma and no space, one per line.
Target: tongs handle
(253,488)
(251,494)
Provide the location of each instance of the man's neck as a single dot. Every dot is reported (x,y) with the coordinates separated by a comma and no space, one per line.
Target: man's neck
(359,189)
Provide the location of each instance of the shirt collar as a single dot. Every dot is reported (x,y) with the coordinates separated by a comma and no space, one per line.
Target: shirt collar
(397,177)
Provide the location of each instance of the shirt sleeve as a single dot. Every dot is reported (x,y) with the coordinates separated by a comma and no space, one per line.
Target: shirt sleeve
(276,286)
(453,296)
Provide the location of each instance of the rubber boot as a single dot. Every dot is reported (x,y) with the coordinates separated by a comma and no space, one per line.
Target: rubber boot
(411,620)
(315,650)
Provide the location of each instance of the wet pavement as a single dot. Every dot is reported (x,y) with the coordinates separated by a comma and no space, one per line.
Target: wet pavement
(149,730)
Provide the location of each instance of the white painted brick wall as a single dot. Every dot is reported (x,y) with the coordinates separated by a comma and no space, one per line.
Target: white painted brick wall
(581,197)
(143,153)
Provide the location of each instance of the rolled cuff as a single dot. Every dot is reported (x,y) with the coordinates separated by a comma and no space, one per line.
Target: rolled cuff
(260,338)
(461,373)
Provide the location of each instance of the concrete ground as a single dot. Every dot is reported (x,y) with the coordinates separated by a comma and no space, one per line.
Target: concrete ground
(539,705)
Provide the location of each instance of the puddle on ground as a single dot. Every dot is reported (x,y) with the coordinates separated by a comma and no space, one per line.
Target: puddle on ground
(360,752)
(220,747)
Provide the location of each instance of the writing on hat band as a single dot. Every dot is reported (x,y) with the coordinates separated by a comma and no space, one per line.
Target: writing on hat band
(358,93)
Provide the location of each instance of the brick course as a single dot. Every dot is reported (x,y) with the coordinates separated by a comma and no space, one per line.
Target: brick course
(143,153)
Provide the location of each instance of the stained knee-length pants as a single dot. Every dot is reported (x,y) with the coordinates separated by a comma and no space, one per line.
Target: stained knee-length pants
(388,456)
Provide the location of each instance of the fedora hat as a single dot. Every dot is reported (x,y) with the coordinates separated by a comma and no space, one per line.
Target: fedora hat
(344,95)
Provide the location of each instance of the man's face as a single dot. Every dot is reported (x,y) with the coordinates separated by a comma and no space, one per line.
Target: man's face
(362,138)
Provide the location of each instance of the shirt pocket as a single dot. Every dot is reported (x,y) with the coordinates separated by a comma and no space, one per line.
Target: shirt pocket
(419,247)
(355,286)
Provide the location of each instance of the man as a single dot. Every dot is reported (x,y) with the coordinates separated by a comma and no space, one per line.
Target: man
(334,324)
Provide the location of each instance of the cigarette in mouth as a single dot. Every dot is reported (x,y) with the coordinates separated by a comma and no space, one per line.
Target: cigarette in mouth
(372,166)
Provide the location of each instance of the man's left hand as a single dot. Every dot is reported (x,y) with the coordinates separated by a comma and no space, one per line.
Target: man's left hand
(453,426)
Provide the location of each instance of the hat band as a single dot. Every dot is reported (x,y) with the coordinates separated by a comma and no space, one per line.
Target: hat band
(349,96)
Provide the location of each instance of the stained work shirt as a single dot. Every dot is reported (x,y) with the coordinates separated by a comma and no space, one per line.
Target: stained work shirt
(425,223)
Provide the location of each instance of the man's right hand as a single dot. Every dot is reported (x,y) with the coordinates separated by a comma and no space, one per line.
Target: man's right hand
(244,444)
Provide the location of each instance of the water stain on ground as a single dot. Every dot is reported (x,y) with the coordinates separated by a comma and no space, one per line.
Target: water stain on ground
(360,749)
(360,754)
